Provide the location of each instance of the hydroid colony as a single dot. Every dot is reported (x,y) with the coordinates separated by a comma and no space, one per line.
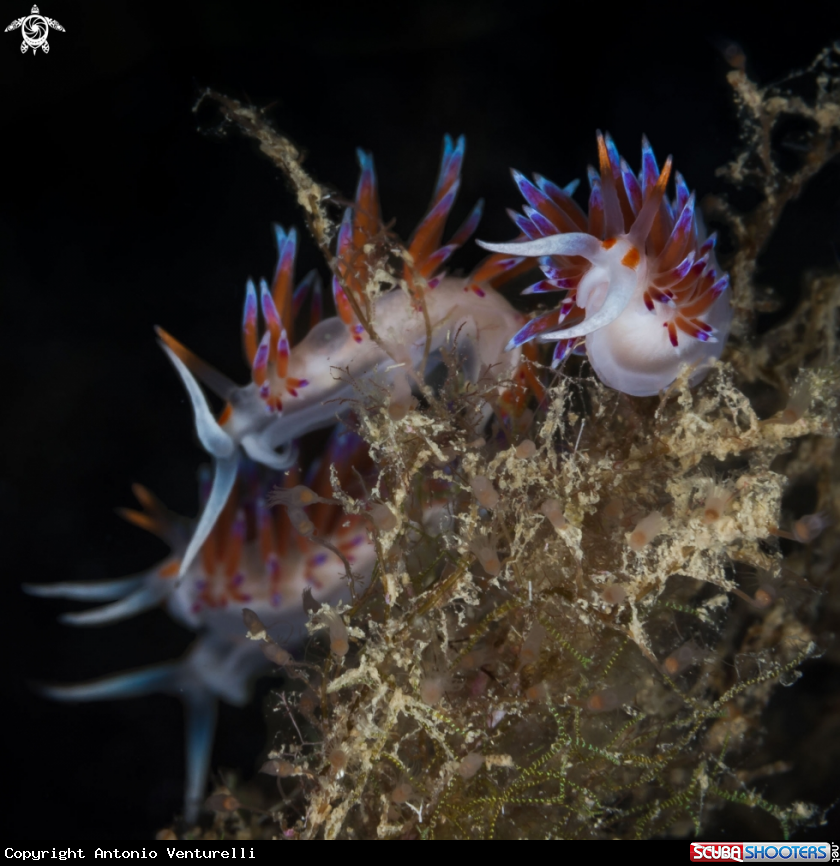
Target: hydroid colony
(521,586)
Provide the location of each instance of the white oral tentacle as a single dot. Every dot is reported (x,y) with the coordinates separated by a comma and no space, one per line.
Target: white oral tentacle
(622,284)
(144,598)
(622,279)
(217,443)
(224,477)
(569,244)
(214,439)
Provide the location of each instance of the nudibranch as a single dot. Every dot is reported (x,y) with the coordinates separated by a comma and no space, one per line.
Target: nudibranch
(643,299)
(244,553)
(644,294)
(297,389)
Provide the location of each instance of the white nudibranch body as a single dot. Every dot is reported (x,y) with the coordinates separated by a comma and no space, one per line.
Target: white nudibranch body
(644,298)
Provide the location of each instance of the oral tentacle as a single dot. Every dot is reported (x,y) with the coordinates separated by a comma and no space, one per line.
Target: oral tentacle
(100,590)
(212,437)
(145,597)
(131,684)
(570,244)
(224,477)
(621,290)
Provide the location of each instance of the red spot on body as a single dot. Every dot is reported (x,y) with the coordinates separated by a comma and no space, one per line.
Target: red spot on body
(609,243)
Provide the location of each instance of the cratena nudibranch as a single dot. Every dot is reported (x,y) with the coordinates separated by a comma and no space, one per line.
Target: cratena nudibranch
(644,294)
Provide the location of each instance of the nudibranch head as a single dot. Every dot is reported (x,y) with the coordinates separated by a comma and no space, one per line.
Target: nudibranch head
(642,286)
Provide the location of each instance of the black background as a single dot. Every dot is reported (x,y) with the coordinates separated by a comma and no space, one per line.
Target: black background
(118,211)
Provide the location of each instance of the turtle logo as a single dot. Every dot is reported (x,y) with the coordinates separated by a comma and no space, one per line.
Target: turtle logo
(34,28)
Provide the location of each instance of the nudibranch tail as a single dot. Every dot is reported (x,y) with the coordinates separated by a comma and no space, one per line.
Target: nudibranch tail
(640,280)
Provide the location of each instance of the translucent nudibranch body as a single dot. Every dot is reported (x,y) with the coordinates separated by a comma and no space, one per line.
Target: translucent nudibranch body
(643,293)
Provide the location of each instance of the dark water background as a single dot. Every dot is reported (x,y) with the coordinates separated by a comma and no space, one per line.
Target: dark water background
(118,212)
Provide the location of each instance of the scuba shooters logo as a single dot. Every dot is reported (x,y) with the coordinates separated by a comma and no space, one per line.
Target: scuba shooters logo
(764,852)
(34,28)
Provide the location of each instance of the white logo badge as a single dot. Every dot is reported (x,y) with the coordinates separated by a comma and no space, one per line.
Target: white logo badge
(34,28)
